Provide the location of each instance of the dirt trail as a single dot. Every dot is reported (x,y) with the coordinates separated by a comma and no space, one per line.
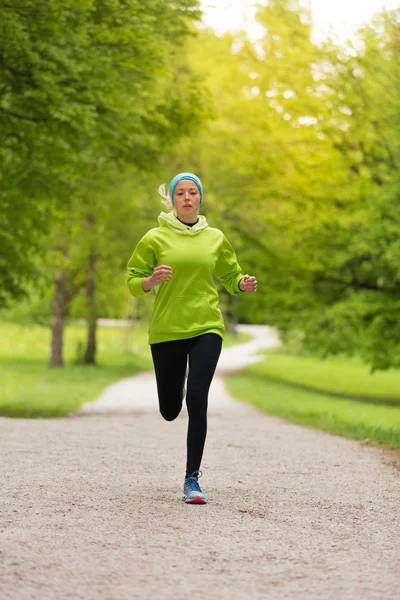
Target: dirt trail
(90,506)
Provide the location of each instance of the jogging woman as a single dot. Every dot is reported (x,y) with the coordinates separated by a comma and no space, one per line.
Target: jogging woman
(179,258)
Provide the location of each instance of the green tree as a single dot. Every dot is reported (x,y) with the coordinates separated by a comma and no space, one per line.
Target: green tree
(78,80)
(354,282)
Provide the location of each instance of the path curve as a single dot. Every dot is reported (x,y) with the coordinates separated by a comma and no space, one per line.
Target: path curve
(90,505)
(139,393)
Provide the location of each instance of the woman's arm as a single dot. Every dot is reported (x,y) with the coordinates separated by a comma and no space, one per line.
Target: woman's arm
(140,267)
(228,271)
(142,272)
(227,268)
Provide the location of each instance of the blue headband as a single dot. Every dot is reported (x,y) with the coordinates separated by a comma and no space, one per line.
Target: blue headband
(179,178)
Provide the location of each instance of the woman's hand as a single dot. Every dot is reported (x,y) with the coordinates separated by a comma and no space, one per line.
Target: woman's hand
(160,274)
(248,284)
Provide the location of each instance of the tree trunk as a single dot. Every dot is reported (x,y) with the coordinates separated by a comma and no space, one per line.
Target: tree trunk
(57,320)
(90,354)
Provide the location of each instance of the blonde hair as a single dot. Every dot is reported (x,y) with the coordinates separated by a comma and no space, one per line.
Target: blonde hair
(166,198)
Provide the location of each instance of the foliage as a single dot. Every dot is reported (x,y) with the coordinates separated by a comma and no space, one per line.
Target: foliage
(350,261)
(82,85)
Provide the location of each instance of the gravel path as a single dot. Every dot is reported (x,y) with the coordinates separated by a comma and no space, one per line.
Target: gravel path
(90,506)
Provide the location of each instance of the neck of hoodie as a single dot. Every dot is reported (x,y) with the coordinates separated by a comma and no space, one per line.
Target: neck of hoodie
(171,220)
(188,224)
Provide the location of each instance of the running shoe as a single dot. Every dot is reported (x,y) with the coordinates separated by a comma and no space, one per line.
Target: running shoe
(192,493)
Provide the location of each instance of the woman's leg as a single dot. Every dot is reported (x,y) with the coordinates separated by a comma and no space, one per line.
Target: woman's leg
(203,358)
(170,359)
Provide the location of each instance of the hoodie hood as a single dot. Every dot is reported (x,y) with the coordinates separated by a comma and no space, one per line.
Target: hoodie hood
(171,220)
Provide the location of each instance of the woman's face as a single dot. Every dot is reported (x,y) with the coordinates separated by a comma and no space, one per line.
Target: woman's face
(187,201)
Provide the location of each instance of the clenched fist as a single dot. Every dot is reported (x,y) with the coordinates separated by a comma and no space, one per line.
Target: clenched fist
(248,284)
(160,274)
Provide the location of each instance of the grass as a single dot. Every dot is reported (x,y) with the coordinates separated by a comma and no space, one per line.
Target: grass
(379,424)
(337,376)
(241,338)
(30,389)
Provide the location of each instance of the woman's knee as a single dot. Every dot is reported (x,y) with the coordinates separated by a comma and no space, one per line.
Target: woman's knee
(169,416)
(170,413)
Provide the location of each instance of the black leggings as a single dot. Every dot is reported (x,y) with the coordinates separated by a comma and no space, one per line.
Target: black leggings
(170,360)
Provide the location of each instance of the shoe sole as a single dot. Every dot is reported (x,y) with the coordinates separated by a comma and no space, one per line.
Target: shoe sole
(195,500)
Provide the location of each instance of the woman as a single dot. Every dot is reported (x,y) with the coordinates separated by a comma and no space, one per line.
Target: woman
(179,257)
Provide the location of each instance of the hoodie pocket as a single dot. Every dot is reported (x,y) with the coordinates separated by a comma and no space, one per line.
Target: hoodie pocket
(180,314)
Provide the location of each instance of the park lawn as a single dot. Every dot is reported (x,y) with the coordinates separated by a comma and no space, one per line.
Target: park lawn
(377,423)
(341,376)
(240,338)
(28,388)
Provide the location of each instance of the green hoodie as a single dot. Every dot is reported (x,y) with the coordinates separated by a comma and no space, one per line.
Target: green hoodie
(188,304)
